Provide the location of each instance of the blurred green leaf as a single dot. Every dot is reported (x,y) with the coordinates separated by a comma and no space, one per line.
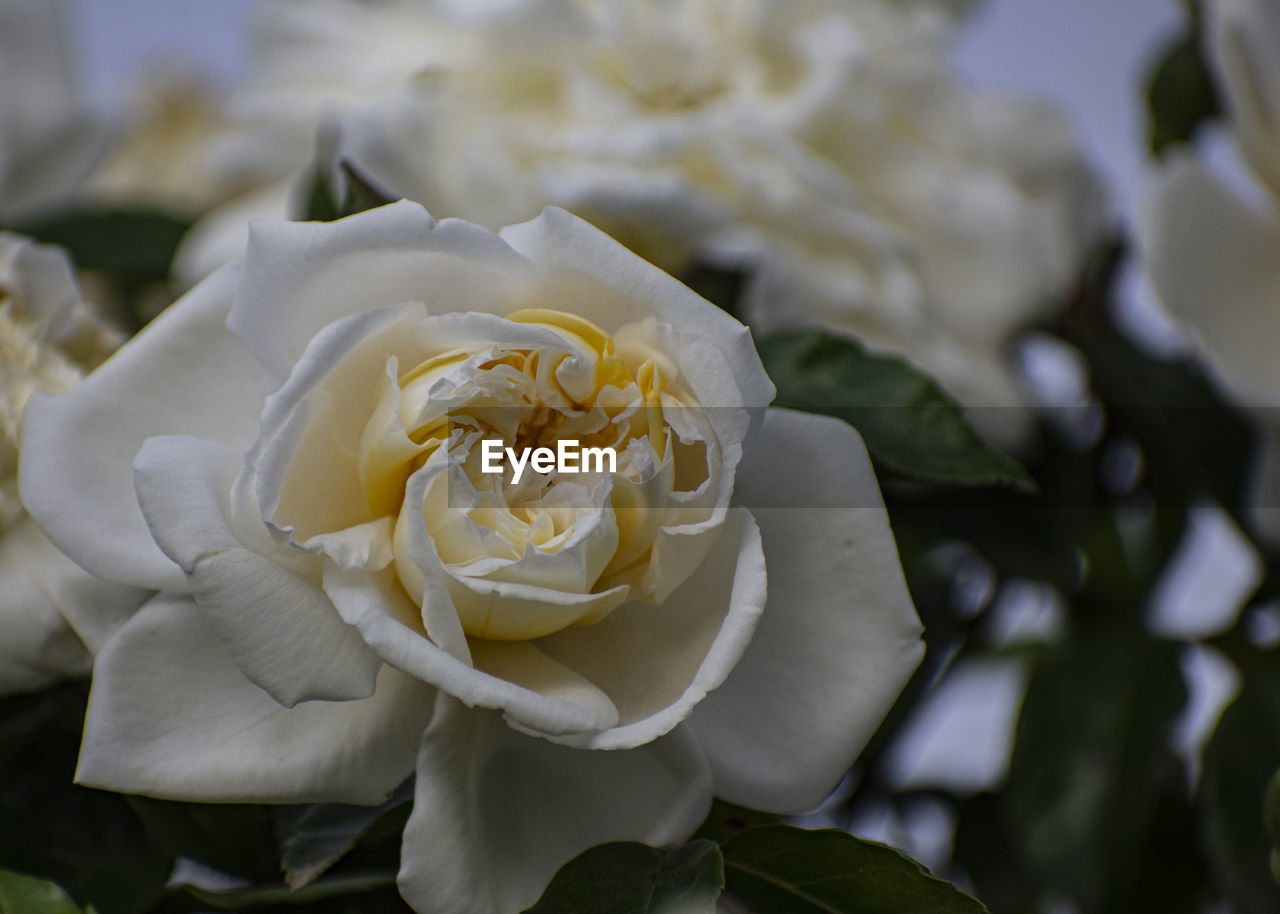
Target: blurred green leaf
(339,189)
(24,895)
(1181,96)
(233,838)
(1272,815)
(133,245)
(988,851)
(87,841)
(315,837)
(360,193)
(1195,443)
(780,869)
(1239,761)
(629,878)
(1089,760)
(910,425)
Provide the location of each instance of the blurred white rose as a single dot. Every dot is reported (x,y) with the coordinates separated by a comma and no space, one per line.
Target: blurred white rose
(826,144)
(165,150)
(1213,249)
(49,608)
(291,455)
(48,139)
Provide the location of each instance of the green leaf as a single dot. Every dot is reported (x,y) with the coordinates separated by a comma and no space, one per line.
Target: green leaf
(1181,96)
(1272,815)
(1238,764)
(1195,443)
(360,192)
(134,245)
(780,869)
(336,188)
(234,838)
(317,836)
(25,895)
(728,819)
(910,425)
(630,878)
(275,895)
(1089,761)
(87,841)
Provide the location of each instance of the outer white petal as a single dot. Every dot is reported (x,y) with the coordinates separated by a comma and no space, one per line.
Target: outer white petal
(300,276)
(497,813)
(1215,263)
(222,234)
(38,647)
(608,284)
(170,715)
(839,637)
(94,609)
(657,662)
(182,374)
(278,625)
(1245,37)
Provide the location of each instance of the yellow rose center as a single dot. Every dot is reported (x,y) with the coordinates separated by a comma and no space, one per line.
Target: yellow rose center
(585,538)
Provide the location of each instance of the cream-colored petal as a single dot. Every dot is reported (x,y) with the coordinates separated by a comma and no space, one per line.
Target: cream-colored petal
(391,624)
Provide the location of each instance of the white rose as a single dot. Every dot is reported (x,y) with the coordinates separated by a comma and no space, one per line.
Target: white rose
(165,153)
(826,143)
(48,140)
(344,597)
(1213,255)
(49,608)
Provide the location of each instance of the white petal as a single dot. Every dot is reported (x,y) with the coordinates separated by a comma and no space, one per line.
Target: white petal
(656,662)
(170,715)
(608,284)
(839,637)
(1214,264)
(391,624)
(38,647)
(95,609)
(300,276)
(497,813)
(182,374)
(278,625)
(1245,35)
(222,234)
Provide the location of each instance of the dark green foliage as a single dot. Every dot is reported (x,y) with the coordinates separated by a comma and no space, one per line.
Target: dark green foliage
(910,425)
